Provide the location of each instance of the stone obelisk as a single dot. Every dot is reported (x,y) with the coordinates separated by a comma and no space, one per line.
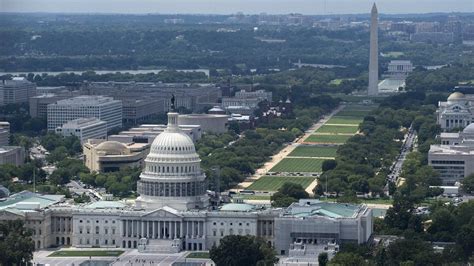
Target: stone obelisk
(374,53)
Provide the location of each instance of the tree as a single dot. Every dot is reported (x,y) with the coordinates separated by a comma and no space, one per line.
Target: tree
(328,165)
(16,245)
(468,184)
(57,154)
(323,259)
(287,194)
(417,252)
(236,250)
(347,259)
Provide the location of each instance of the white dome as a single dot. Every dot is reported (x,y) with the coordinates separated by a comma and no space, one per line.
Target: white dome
(172,175)
(456,96)
(172,143)
(469,129)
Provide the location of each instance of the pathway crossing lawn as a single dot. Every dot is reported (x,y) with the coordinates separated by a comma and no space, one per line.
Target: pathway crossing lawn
(298,165)
(318,138)
(345,120)
(314,151)
(338,129)
(273,183)
(86,253)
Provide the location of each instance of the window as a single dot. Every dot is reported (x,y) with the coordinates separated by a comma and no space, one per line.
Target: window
(214,223)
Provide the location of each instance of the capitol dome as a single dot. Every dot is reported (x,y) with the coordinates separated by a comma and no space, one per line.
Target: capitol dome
(172,175)
(456,96)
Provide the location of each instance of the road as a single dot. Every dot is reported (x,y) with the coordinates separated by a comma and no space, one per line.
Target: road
(408,143)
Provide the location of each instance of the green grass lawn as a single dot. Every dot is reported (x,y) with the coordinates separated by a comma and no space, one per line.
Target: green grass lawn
(338,129)
(273,183)
(345,120)
(198,255)
(327,138)
(86,253)
(298,165)
(314,151)
(353,113)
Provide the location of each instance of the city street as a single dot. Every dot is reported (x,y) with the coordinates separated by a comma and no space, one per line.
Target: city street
(408,143)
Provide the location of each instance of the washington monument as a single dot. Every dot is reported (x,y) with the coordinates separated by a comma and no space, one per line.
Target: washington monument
(374,53)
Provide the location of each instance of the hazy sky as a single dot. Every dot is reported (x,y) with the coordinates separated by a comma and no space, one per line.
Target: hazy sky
(233,6)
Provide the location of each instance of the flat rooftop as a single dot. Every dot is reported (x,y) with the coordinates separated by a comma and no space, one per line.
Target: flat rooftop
(27,197)
(311,208)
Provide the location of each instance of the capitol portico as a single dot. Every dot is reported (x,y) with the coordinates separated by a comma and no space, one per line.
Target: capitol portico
(172,214)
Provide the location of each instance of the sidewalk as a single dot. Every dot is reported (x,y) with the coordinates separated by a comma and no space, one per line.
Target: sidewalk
(287,150)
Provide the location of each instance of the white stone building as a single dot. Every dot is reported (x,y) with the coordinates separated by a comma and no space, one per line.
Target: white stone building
(171,213)
(103,108)
(84,129)
(454,157)
(456,112)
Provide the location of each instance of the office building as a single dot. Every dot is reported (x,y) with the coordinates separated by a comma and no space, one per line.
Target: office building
(39,103)
(456,112)
(4,133)
(146,133)
(245,102)
(190,96)
(84,129)
(17,90)
(209,123)
(104,108)
(454,157)
(109,156)
(14,155)
(171,213)
(137,110)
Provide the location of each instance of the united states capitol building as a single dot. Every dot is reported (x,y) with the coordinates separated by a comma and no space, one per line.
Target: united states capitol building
(172,213)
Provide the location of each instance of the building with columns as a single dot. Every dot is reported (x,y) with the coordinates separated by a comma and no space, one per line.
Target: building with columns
(456,112)
(172,213)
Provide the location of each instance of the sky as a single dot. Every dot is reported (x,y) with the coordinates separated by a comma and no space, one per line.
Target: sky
(307,7)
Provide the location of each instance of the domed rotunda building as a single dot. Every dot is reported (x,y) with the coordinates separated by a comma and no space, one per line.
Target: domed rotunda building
(172,175)
(456,112)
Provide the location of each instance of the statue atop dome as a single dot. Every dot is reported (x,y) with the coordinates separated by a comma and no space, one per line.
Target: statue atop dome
(173,107)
